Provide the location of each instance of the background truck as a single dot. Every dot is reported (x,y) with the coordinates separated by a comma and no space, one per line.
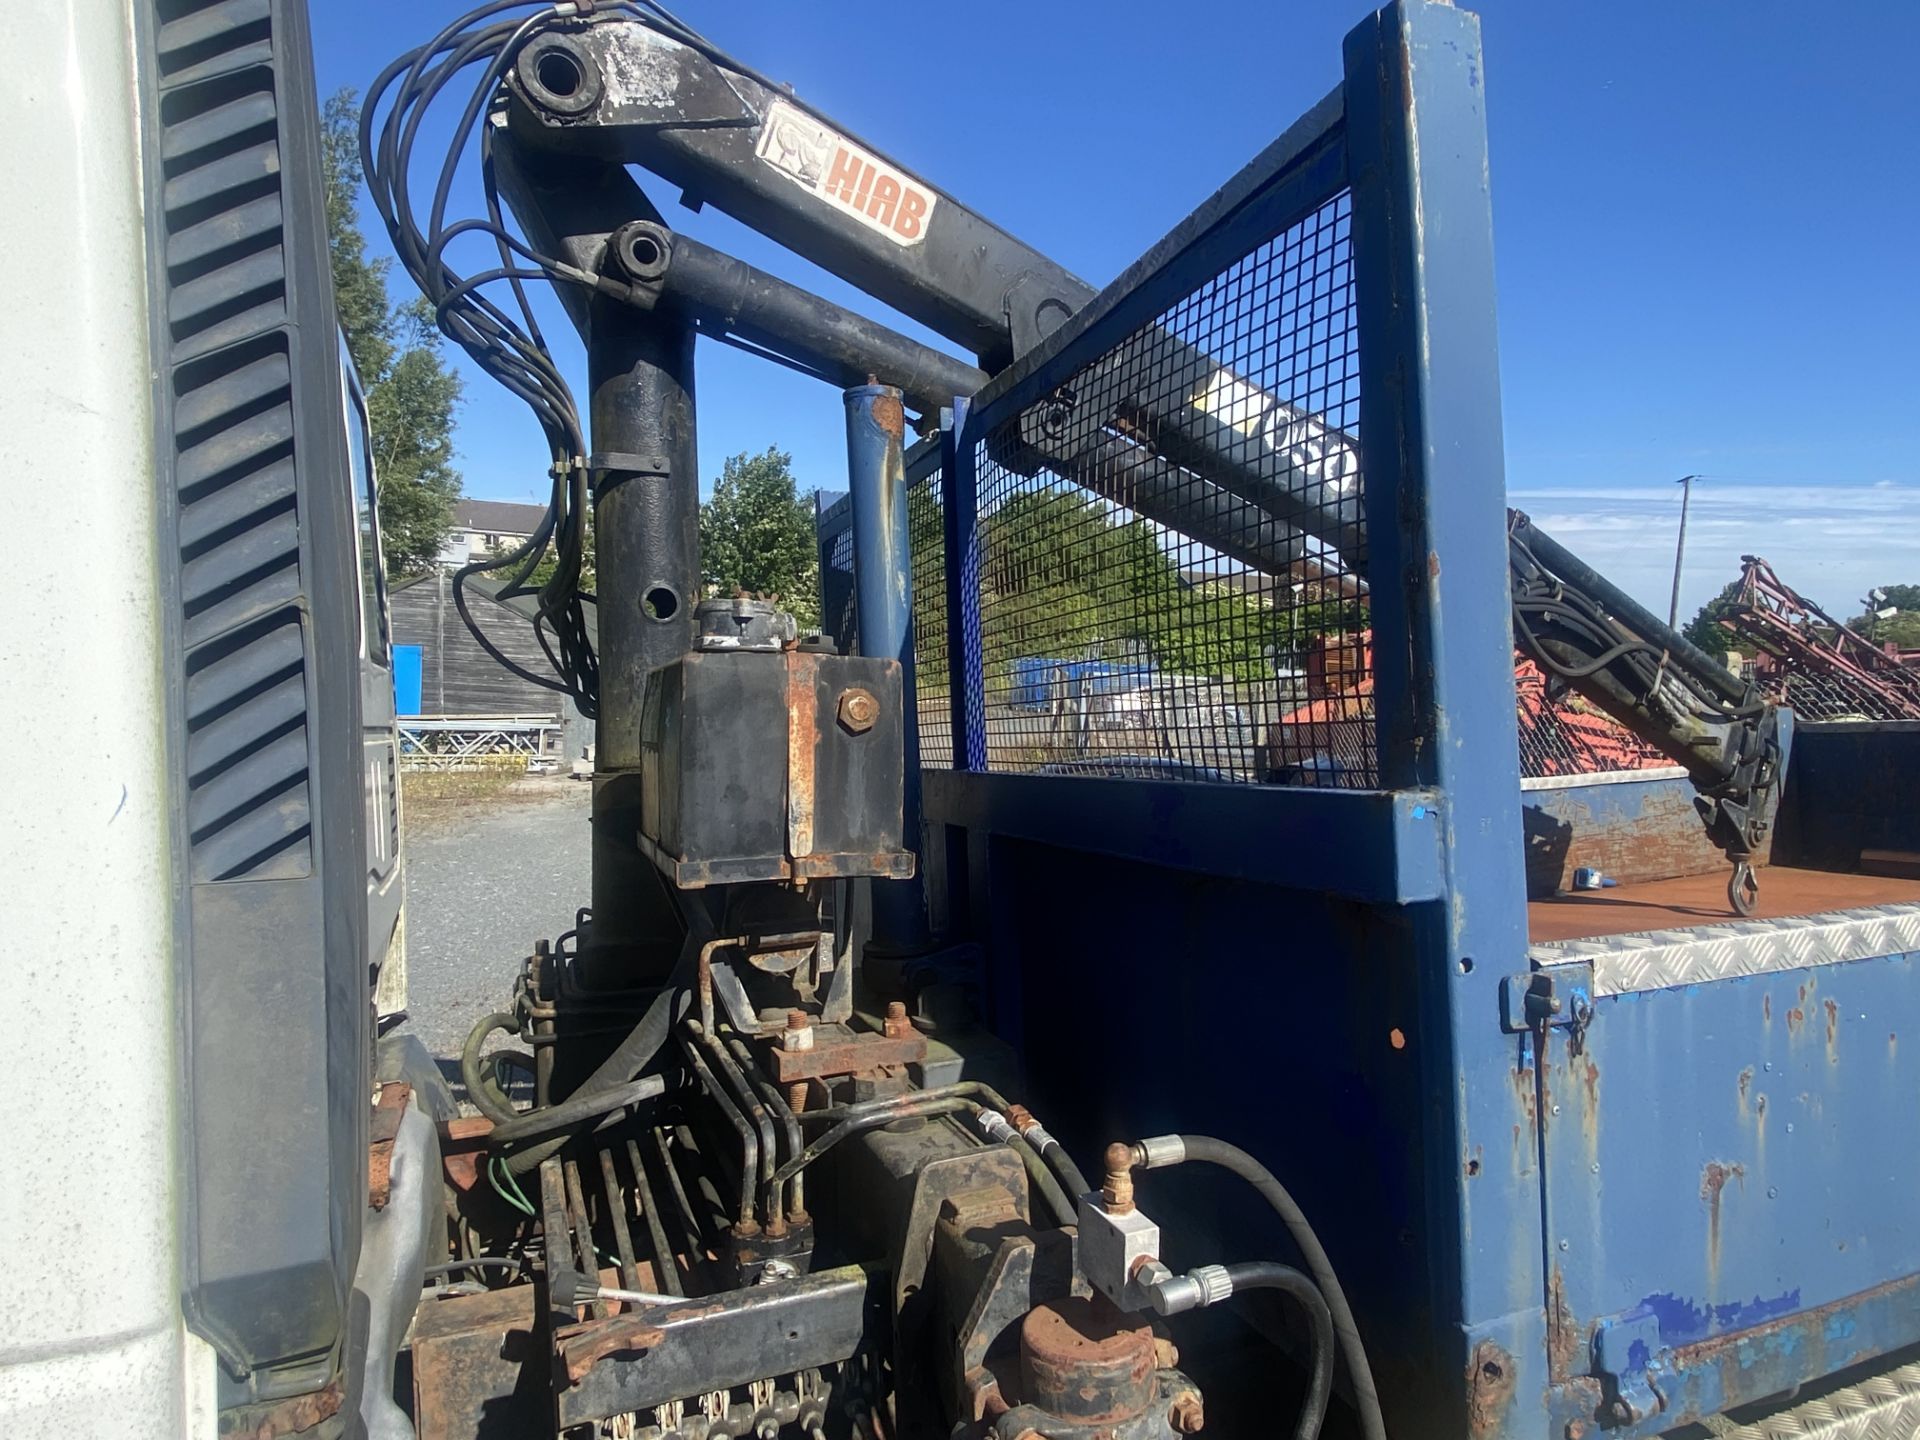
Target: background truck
(748,1162)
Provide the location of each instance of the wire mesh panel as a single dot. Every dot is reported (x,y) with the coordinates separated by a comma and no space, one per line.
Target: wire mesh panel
(1562,734)
(933,689)
(1172,541)
(836,575)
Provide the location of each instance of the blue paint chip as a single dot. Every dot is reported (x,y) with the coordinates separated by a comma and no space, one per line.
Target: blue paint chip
(1682,1321)
(1419,812)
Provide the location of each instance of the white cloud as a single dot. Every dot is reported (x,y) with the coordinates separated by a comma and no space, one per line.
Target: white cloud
(1829,542)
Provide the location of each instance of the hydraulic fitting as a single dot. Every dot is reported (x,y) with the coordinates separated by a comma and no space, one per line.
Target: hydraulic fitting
(1117,1191)
(1115,1249)
(1159,1151)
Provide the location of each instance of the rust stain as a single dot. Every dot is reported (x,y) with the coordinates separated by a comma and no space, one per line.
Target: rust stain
(890,416)
(803,743)
(1766,1007)
(582,1349)
(1490,1381)
(1563,1332)
(1713,1182)
(1833,1030)
(302,1412)
(1473,1161)
(1796,1017)
(1746,1084)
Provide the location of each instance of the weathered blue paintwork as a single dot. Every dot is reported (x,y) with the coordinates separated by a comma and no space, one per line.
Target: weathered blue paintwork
(1537,1243)
(883,591)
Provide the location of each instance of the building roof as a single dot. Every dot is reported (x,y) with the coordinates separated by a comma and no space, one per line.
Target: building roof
(497,517)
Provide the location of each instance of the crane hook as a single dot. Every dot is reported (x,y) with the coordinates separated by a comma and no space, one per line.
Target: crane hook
(1743,890)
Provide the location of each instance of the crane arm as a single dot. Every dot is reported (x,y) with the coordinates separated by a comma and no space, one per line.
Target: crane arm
(1276,489)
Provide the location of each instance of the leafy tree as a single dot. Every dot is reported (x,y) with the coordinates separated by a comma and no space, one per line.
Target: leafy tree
(1902,629)
(756,534)
(411,394)
(1705,629)
(1065,577)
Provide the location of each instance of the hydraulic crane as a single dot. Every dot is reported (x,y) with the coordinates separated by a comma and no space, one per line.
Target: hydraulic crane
(703,1023)
(1188,442)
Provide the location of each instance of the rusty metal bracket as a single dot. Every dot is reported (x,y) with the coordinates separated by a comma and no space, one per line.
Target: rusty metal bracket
(388,1107)
(1557,998)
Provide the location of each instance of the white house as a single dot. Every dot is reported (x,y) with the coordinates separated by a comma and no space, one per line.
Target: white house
(481,527)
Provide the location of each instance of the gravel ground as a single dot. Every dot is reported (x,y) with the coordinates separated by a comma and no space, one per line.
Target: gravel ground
(487,877)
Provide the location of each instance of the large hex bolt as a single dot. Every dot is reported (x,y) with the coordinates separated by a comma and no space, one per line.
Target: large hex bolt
(858,710)
(1187,1414)
(896,1026)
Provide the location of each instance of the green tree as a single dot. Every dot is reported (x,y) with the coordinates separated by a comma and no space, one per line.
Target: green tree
(1899,628)
(1902,629)
(1705,629)
(411,394)
(756,534)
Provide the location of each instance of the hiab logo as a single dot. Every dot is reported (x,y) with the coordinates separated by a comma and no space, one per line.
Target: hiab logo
(840,172)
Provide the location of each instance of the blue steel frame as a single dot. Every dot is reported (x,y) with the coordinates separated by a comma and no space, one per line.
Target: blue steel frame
(1338,963)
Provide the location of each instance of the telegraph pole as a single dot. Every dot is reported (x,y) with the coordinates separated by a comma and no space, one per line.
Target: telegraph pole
(1680,551)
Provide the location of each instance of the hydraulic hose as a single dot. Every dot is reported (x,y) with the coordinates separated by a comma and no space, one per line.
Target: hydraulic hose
(1268,1275)
(1209,1151)
(576,1110)
(481,1090)
(643,1042)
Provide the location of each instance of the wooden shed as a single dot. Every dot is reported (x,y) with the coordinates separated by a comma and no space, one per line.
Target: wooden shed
(441,672)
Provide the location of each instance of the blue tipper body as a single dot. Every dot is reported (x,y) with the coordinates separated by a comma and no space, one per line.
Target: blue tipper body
(1560,1207)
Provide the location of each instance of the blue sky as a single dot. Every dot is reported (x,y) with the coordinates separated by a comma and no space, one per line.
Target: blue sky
(1707,229)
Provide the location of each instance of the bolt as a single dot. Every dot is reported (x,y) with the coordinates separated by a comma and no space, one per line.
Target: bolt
(1165,1354)
(1020,1118)
(1772,1191)
(896,1026)
(1117,1191)
(858,710)
(1187,1414)
(797,1096)
(1556,1110)
(1566,1245)
(799,1032)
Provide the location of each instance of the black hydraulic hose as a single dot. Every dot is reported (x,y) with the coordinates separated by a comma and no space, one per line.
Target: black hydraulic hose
(1065,1212)
(971,1095)
(643,1042)
(1055,1154)
(481,1090)
(1269,1275)
(867,1120)
(576,1110)
(1209,1151)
